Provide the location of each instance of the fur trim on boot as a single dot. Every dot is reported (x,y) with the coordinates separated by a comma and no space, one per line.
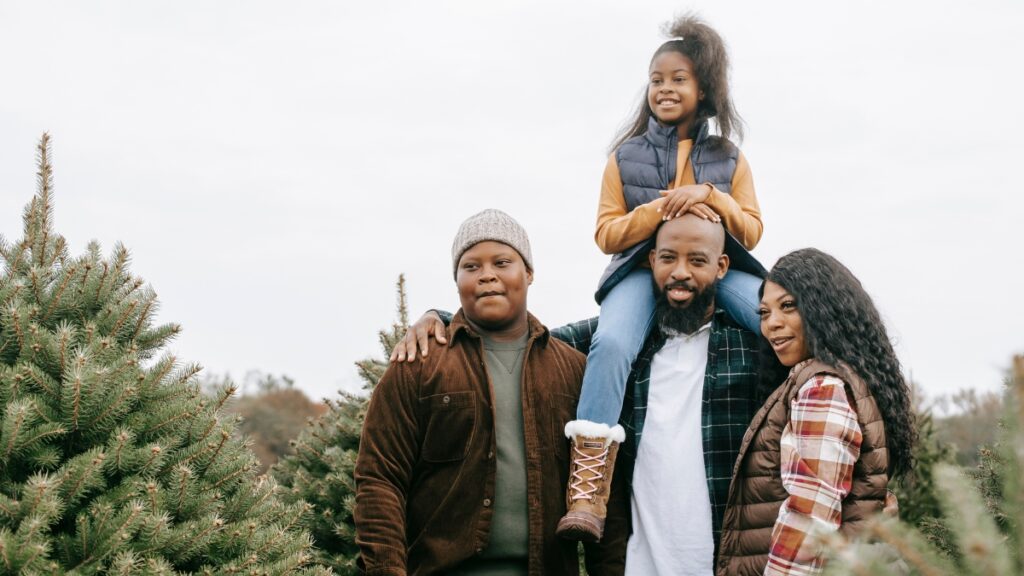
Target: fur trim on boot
(594,448)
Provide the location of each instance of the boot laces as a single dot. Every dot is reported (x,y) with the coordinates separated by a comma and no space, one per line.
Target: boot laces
(584,463)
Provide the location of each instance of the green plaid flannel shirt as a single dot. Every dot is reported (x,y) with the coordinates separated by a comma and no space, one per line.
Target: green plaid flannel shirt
(729,398)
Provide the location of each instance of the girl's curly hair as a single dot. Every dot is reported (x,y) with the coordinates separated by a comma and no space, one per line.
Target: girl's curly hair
(693,38)
(842,326)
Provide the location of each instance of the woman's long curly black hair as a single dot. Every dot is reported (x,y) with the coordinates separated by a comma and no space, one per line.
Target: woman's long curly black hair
(693,38)
(842,326)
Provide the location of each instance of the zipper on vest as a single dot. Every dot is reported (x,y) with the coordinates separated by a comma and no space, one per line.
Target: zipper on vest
(668,162)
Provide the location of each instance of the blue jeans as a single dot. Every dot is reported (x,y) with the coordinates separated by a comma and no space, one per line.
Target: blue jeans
(626,316)
(737,295)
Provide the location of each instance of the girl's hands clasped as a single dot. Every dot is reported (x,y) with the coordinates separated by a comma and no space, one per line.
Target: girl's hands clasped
(706,212)
(683,199)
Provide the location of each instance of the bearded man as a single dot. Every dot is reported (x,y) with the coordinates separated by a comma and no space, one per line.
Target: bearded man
(690,396)
(689,399)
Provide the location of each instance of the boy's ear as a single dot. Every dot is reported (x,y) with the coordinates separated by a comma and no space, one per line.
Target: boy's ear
(529,277)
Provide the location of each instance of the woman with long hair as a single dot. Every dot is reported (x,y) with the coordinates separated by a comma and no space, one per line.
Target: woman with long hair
(821,451)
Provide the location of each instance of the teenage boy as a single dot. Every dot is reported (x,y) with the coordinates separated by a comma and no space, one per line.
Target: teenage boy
(463,462)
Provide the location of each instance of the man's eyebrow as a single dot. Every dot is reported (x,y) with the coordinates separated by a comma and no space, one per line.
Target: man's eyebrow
(703,253)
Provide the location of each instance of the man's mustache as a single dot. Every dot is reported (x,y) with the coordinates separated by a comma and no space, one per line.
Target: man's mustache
(679,284)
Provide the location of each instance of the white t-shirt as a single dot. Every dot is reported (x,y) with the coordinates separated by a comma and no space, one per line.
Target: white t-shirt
(672,532)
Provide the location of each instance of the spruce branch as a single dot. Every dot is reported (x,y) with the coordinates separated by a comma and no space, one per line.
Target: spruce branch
(229,477)
(126,393)
(143,317)
(155,451)
(43,209)
(82,476)
(16,324)
(40,486)
(76,395)
(903,545)
(66,333)
(125,314)
(4,556)
(56,298)
(7,253)
(158,373)
(58,255)
(87,268)
(38,284)
(403,308)
(102,281)
(122,437)
(174,417)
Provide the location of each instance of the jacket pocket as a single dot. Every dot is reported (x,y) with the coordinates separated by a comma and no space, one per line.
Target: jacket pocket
(452,419)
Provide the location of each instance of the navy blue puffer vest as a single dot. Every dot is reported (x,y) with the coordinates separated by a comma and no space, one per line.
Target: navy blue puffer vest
(647,165)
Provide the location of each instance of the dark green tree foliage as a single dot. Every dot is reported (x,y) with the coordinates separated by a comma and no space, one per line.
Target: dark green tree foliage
(111,460)
(319,470)
(917,494)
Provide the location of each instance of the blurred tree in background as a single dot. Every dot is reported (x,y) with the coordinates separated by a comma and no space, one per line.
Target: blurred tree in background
(982,512)
(272,413)
(319,471)
(968,422)
(918,499)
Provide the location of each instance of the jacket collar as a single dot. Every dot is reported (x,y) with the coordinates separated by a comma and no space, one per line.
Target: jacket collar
(460,327)
(661,136)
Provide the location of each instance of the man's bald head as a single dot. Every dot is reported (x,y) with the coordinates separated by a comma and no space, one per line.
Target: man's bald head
(693,227)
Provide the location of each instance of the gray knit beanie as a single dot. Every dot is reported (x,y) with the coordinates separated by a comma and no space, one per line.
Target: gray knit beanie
(493,225)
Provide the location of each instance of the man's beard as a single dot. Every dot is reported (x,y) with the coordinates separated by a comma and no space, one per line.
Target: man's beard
(673,320)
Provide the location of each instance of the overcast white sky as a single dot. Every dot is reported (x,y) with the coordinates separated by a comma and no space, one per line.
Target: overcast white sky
(273,166)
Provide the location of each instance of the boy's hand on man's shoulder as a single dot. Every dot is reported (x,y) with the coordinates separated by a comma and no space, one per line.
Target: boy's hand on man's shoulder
(417,338)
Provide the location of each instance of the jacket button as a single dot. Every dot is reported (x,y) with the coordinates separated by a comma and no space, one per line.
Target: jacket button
(487,502)
(446,399)
(490,455)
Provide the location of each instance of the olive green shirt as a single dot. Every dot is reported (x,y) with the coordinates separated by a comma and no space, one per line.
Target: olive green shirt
(506,552)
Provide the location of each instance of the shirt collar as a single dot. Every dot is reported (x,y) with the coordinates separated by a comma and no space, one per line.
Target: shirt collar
(459,325)
(705,328)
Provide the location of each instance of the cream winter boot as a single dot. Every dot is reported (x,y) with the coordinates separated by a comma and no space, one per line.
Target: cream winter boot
(594,447)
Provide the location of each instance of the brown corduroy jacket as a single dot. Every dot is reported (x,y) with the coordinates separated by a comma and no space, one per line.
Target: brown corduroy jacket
(756,493)
(425,475)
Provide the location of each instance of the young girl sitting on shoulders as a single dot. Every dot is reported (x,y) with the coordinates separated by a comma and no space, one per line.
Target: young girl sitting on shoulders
(665,164)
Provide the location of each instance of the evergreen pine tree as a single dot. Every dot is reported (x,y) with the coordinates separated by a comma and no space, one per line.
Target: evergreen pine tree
(111,460)
(916,492)
(982,514)
(319,471)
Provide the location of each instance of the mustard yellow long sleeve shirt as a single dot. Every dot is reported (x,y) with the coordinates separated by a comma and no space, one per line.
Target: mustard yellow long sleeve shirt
(619,229)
